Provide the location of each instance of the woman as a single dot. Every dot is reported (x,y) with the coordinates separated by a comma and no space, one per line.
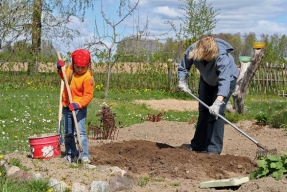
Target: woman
(218,75)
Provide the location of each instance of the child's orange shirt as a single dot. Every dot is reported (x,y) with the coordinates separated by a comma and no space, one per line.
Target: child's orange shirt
(82,87)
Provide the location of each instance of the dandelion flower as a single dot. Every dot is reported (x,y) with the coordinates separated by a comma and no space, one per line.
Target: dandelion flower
(1,156)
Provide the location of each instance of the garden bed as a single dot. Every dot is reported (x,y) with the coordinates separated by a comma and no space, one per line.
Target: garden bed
(156,150)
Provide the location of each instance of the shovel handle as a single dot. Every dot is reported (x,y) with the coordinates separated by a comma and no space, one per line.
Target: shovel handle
(61,91)
(71,100)
(225,120)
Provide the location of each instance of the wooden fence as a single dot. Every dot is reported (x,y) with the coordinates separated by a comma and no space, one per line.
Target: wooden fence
(270,78)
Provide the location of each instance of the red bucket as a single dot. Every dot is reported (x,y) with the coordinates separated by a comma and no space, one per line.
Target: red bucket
(45,146)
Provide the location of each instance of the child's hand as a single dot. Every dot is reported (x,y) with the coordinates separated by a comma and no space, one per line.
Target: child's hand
(74,106)
(60,63)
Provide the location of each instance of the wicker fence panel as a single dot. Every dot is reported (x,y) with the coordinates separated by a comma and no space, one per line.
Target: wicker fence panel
(270,79)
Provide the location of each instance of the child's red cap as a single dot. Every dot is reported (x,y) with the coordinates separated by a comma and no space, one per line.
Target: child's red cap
(81,57)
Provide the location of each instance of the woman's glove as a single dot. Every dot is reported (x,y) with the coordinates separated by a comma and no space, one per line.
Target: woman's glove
(74,106)
(60,63)
(214,109)
(182,85)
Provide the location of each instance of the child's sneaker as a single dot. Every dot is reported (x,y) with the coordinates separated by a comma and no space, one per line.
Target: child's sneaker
(85,160)
(70,159)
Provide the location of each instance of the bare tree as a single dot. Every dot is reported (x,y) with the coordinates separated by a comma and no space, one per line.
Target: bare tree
(243,83)
(13,17)
(34,20)
(36,34)
(104,44)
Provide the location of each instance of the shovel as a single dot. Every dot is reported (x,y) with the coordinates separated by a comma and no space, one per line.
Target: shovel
(60,113)
(80,148)
(263,151)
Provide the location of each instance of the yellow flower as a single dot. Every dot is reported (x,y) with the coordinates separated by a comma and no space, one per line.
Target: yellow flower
(16,137)
(1,156)
(0,174)
(29,83)
(69,187)
(50,190)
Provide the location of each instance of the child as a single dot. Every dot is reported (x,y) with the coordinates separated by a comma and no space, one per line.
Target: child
(81,84)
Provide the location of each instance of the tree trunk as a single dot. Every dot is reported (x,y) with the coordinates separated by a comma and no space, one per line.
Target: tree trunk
(108,81)
(244,80)
(36,36)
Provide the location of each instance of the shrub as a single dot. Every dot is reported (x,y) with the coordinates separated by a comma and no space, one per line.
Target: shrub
(107,128)
(261,119)
(278,120)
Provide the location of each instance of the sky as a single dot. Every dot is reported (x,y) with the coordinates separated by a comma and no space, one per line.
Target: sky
(234,16)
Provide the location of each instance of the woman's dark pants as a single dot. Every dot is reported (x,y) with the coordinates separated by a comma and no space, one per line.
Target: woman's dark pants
(209,132)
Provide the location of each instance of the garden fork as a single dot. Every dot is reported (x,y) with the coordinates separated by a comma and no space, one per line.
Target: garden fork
(261,152)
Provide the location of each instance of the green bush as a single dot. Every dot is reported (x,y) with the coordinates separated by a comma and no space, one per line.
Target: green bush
(261,118)
(278,120)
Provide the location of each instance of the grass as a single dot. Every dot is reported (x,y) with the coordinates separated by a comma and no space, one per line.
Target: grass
(264,105)
(28,112)
(33,186)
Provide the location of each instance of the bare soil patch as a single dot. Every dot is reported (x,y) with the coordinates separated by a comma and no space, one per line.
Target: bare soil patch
(170,104)
(157,149)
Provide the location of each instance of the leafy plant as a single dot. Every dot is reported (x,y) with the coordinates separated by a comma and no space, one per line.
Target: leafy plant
(261,119)
(274,166)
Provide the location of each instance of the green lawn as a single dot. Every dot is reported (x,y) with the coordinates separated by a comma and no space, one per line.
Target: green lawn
(34,111)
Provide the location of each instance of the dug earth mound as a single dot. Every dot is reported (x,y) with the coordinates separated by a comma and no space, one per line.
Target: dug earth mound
(162,160)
